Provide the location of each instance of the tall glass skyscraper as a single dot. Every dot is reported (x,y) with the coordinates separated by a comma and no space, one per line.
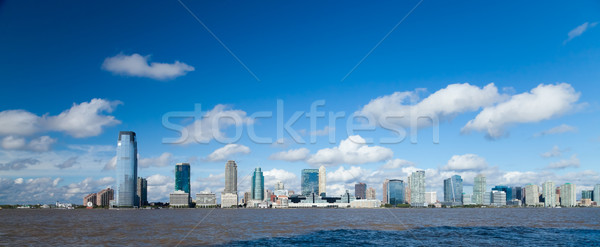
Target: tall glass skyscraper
(230,177)
(182,177)
(453,190)
(310,181)
(396,192)
(258,185)
(417,189)
(508,190)
(126,169)
(596,196)
(479,187)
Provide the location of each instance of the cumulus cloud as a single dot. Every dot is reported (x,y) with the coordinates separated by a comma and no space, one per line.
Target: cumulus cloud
(542,103)
(18,164)
(555,152)
(352,150)
(291,155)
(403,108)
(67,163)
(81,120)
(137,65)
(48,190)
(289,179)
(579,30)
(212,124)
(563,128)
(111,164)
(40,144)
(165,159)
(227,151)
(465,162)
(562,164)
(12,142)
(396,163)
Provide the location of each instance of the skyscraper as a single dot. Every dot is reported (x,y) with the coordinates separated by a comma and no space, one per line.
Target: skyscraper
(142,191)
(322,181)
(453,190)
(479,187)
(417,189)
(385,191)
(182,177)
(507,190)
(596,196)
(360,190)
(568,198)
(532,195)
(396,192)
(230,177)
(549,194)
(258,185)
(310,181)
(126,169)
(371,193)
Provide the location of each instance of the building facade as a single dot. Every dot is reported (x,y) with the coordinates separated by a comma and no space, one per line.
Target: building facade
(431,197)
(396,192)
(126,169)
(453,190)
(279,186)
(142,192)
(182,177)
(360,190)
(90,198)
(179,199)
(568,196)
(385,191)
(230,177)
(479,188)
(310,181)
(549,194)
(204,200)
(371,195)
(507,190)
(258,185)
(104,197)
(498,198)
(417,189)
(596,196)
(229,200)
(532,195)
(322,181)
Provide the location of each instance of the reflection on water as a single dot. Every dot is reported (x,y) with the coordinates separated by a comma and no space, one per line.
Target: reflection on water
(491,226)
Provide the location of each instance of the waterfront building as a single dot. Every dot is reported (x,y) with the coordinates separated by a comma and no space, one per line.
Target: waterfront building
(258,185)
(532,195)
(279,186)
(90,198)
(142,192)
(417,189)
(310,181)
(507,190)
(596,196)
(182,177)
(487,198)
(396,189)
(322,181)
(568,196)
(126,169)
(229,200)
(467,199)
(549,194)
(587,194)
(206,200)
(407,190)
(453,190)
(230,177)
(431,197)
(498,198)
(365,203)
(517,193)
(371,193)
(179,199)
(360,190)
(104,197)
(247,197)
(479,187)
(385,192)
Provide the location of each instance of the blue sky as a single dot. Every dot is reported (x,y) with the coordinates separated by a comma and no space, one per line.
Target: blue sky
(59,57)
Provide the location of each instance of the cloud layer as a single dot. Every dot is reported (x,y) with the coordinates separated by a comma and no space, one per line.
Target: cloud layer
(137,65)
(227,152)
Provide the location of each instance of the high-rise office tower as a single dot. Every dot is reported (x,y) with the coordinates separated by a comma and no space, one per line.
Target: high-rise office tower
(142,191)
(385,191)
(587,194)
(230,177)
(417,189)
(479,188)
(360,190)
(310,181)
(507,190)
(396,192)
(568,196)
(371,193)
(596,196)
(549,194)
(322,181)
(453,190)
(182,177)
(532,195)
(126,169)
(258,185)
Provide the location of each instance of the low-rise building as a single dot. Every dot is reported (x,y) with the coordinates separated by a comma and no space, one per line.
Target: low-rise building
(206,200)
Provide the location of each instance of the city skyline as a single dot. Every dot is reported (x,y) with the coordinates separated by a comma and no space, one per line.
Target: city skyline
(515,102)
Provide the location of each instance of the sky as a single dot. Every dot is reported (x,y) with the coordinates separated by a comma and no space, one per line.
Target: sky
(368,90)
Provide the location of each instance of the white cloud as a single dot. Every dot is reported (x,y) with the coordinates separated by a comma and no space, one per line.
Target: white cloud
(111,164)
(40,144)
(67,163)
(542,103)
(137,65)
(562,164)
(81,120)
(353,150)
(290,180)
(396,163)
(12,142)
(402,107)
(465,162)
(291,155)
(563,128)
(579,30)
(227,151)
(48,190)
(212,124)
(159,187)
(165,159)
(18,164)
(555,152)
